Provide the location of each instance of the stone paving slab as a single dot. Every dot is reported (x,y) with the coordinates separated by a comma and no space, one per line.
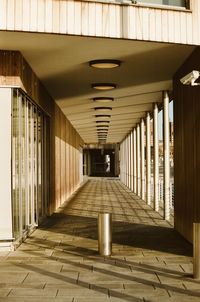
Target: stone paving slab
(35,299)
(60,262)
(27,292)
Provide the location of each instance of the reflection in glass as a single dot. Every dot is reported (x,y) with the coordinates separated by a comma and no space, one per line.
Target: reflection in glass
(30,182)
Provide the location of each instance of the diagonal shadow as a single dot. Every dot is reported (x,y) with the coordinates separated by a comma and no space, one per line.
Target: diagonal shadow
(136,279)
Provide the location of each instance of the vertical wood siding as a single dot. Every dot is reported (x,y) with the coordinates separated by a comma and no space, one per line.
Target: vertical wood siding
(102,20)
(187,149)
(64,140)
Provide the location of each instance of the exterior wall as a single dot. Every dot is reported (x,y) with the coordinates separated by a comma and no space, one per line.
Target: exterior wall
(187,149)
(106,19)
(64,140)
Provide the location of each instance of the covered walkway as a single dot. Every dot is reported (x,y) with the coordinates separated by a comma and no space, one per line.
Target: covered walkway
(60,261)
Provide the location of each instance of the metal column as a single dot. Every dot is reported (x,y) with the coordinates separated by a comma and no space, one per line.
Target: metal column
(127,154)
(148,160)
(131,160)
(105,234)
(134,162)
(156,157)
(138,162)
(166,156)
(142,160)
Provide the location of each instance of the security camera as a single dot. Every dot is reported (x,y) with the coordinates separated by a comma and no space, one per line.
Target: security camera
(190,78)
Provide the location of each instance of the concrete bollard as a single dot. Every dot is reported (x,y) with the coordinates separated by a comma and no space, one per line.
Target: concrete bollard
(105,234)
(196,250)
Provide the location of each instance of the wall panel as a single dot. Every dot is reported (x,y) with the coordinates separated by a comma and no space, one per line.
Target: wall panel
(187,149)
(64,140)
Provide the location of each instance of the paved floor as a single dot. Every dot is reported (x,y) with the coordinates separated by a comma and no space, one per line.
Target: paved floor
(60,262)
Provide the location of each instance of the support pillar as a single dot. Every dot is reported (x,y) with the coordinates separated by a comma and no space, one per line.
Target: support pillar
(138,162)
(166,156)
(126,155)
(134,162)
(142,160)
(156,157)
(131,160)
(148,160)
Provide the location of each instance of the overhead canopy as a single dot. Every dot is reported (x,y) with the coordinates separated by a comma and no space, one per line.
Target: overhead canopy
(61,63)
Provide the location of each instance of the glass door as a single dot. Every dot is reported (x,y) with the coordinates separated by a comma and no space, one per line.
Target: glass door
(30,164)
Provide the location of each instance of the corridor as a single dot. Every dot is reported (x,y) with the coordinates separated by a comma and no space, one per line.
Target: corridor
(60,262)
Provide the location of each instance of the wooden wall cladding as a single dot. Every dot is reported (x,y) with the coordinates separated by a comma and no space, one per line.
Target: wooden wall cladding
(187,149)
(91,18)
(64,140)
(67,168)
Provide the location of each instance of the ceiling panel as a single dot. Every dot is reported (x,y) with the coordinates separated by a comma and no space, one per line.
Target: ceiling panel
(62,64)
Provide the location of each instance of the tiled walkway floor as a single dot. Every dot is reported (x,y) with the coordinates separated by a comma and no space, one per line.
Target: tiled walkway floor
(60,261)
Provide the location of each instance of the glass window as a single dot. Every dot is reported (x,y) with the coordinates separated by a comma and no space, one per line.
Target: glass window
(15,166)
(180,3)
(30,172)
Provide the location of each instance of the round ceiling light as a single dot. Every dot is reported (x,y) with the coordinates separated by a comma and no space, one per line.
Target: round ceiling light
(102,130)
(102,108)
(103,86)
(102,126)
(103,100)
(104,63)
(103,116)
(102,122)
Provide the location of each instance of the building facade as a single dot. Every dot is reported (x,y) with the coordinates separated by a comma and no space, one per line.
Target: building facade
(54,102)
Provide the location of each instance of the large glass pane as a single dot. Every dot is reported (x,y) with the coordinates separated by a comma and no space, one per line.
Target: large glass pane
(16,166)
(23,162)
(35,164)
(30,163)
(40,206)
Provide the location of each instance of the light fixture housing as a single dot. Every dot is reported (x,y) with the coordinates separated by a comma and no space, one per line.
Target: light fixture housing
(103,122)
(103,116)
(103,86)
(103,99)
(102,109)
(104,63)
(102,126)
(102,130)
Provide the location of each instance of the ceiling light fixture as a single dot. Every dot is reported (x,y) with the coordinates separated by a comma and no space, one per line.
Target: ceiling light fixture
(102,116)
(102,108)
(102,122)
(102,134)
(104,63)
(102,130)
(103,86)
(102,126)
(103,99)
